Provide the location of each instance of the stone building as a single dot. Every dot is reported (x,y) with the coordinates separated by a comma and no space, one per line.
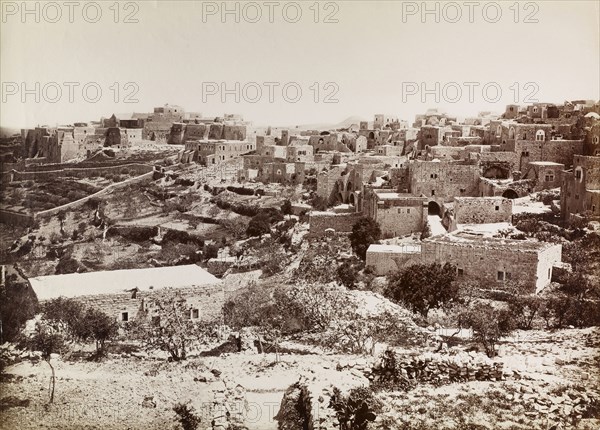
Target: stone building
(299,153)
(480,210)
(116,137)
(580,190)
(209,152)
(282,173)
(441,181)
(490,262)
(430,136)
(397,214)
(592,139)
(544,174)
(493,262)
(383,121)
(123,294)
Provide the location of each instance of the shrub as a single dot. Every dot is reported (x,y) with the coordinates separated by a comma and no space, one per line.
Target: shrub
(186,415)
(18,304)
(488,325)
(259,225)
(356,410)
(210,251)
(365,232)
(423,287)
(523,309)
(286,207)
(172,331)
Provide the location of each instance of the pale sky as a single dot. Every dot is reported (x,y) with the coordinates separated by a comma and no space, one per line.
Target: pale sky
(370,55)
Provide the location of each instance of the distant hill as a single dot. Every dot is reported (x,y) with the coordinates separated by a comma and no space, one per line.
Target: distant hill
(8,132)
(328,126)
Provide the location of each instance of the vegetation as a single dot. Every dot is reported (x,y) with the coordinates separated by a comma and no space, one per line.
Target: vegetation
(259,224)
(356,410)
(48,342)
(171,329)
(422,287)
(488,324)
(365,232)
(18,303)
(187,417)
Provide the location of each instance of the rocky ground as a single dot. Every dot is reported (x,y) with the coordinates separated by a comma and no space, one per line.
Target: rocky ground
(552,378)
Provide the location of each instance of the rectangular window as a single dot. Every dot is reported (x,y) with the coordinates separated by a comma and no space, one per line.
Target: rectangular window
(399,210)
(461,272)
(501,276)
(433,192)
(195,314)
(408,210)
(497,208)
(124,316)
(549,272)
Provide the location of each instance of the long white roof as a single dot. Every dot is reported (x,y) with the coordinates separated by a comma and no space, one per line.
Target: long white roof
(119,281)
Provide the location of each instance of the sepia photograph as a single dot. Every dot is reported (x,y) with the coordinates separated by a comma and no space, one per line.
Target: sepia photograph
(300,215)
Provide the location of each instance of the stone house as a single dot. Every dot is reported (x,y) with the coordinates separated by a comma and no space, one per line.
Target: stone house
(488,261)
(397,214)
(208,152)
(480,210)
(545,174)
(441,181)
(123,294)
(580,190)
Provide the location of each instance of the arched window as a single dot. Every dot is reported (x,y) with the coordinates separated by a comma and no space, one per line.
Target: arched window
(540,135)
(511,133)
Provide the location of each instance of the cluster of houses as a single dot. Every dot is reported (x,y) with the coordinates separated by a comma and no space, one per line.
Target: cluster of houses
(452,177)
(120,132)
(465,173)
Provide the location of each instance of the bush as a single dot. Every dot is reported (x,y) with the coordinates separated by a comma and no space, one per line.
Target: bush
(365,232)
(259,224)
(356,410)
(423,287)
(210,251)
(186,415)
(488,325)
(524,309)
(18,304)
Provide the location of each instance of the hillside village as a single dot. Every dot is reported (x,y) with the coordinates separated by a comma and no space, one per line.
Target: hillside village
(165,270)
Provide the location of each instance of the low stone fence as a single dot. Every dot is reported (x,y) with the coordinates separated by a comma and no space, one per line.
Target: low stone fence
(435,368)
(108,189)
(340,222)
(229,406)
(81,172)
(16,218)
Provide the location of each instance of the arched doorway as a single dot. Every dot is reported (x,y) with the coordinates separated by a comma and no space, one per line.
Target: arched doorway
(352,200)
(433,208)
(510,194)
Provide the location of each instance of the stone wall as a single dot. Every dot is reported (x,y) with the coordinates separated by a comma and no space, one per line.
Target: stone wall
(444,180)
(481,210)
(16,218)
(437,368)
(341,223)
(493,263)
(83,172)
(108,189)
(208,299)
(385,262)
